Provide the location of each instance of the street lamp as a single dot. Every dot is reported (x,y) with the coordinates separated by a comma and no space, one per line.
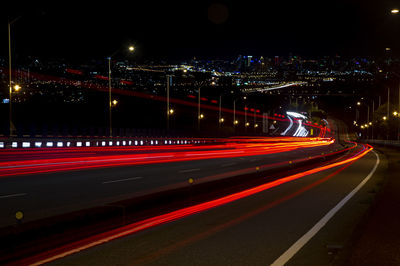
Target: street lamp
(110,101)
(394,11)
(10,74)
(199,115)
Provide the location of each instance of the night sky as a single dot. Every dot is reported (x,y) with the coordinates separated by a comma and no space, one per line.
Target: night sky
(205,29)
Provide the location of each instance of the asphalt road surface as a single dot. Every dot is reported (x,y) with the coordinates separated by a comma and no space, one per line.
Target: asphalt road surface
(307,221)
(42,194)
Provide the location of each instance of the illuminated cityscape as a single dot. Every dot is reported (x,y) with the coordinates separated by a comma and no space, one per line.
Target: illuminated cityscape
(200,132)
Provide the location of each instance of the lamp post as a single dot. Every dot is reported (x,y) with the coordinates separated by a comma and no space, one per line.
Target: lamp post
(10,75)
(198,109)
(396,11)
(220,119)
(199,114)
(368,124)
(168,110)
(110,101)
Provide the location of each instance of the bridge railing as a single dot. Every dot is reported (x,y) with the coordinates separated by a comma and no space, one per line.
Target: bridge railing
(393,143)
(14,143)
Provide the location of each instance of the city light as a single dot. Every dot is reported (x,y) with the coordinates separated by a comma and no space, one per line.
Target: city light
(358,103)
(221,120)
(395,113)
(114,102)
(247,124)
(131,48)
(395,11)
(17,87)
(236,122)
(201,116)
(171,111)
(384,118)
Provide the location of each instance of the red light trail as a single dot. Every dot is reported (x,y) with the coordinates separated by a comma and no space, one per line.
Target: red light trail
(238,147)
(105,237)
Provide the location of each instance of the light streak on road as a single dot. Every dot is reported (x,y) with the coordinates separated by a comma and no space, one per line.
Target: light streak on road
(130,229)
(152,154)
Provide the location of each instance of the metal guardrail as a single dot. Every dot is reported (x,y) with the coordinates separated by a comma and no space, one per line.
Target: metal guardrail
(98,142)
(393,143)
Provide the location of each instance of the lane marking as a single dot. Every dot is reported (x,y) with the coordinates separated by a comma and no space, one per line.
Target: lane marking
(13,195)
(122,180)
(288,254)
(89,161)
(200,154)
(227,164)
(189,170)
(130,229)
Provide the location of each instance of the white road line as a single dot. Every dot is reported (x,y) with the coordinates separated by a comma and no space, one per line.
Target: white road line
(219,153)
(189,170)
(288,254)
(13,195)
(89,161)
(122,180)
(227,164)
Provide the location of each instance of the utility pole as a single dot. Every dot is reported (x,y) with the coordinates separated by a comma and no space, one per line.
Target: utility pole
(109,97)
(10,74)
(168,77)
(10,78)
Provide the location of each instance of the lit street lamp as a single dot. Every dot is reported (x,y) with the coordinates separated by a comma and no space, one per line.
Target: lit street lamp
(394,11)
(110,101)
(199,115)
(10,74)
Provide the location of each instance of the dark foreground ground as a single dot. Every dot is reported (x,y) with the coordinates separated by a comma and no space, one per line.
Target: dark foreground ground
(377,241)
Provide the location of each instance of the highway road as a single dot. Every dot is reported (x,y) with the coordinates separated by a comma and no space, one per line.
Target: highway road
(307,221)
(56,181)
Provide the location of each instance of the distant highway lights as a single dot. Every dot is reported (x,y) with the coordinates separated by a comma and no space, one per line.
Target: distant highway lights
(394,11)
